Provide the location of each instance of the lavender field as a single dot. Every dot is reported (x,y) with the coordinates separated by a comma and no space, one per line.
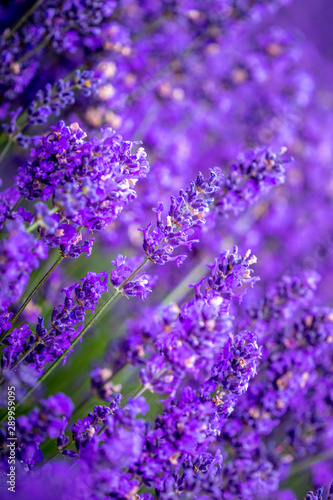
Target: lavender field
(166,249)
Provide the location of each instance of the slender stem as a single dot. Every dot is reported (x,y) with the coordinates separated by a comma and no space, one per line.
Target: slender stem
(92,321)
(31,295)
(17,204)
(5,150)
(82,404)
(79,407)
(57,453)
(91,394)
(31,348)
(41,45)
(22,20)
(22,358)
(140,391)
(33,51)
(144,388)
(182,289)
(37,222)
(304,465)
(34,291)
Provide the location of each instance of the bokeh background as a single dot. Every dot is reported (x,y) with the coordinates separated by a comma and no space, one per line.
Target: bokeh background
(195,103)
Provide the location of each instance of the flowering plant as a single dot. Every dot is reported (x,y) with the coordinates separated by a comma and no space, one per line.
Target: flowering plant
(144,148)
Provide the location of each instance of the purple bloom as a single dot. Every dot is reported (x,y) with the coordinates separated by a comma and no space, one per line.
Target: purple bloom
(185,213)
(5,321)
(48,421)
(319,495)
(21,253)
(246,379)
(101,383)
(55,98)
(15,343)
(66,324)
(90,182)
(173,343)
(59,24)
(140,285)
(255,173)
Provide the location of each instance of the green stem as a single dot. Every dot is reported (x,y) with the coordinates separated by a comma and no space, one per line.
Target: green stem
(92,321)
(80,407)
(34,345)
(41,45)
(19,361)
(33,51)
(57,453)
(31,295)
(38,222)
(183,289)
(304,465)
(17,204)
(138,393)
(92,395)
(5,150)
(141,390)
(22,20)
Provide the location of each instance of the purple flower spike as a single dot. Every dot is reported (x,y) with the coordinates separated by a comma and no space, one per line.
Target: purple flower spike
(90,181)
(48,421)
(141,285)
(185,213)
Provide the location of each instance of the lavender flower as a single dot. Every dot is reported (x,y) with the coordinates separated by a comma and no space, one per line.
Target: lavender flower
(186,212)
(46,345)
(143,283)
(48,421)
(57,24)
(290,368)
(50,101)
(15,344)
(172,343)
(319,495)
(256,173)
(21,254)
(55,98)
(246,378)
(90,182)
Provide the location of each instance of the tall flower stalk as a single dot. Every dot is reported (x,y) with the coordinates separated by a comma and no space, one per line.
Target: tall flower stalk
(219,386)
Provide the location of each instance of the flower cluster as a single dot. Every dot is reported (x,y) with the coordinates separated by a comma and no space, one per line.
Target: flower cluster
(47,421)
(125,270)
(255,173)
(296,350)
(185,213)
(53,99)
(25,349)
(319,495)
(21,253)
(50,101)
(216,389)
(172,343)
(62,25)
(89,181)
